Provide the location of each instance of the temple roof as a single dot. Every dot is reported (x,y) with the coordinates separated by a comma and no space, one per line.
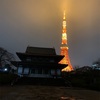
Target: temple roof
(40,51)
(38,64)
(23,56)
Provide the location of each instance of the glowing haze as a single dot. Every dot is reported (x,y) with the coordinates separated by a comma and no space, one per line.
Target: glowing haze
(39,23)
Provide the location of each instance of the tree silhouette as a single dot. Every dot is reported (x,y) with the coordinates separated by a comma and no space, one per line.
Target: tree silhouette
(96,64)
(5,57)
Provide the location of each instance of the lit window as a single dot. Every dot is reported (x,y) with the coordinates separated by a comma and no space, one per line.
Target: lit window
(20,69)
(26,70)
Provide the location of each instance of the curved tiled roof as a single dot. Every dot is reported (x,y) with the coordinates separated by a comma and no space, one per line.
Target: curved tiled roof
(41,51)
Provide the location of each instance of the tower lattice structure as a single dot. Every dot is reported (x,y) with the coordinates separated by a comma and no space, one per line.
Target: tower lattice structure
(64,47)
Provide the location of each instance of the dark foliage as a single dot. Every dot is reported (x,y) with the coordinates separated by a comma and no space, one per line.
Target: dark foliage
(7,78)
(86,79)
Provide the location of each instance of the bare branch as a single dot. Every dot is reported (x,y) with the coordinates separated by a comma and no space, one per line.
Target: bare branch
(5,56)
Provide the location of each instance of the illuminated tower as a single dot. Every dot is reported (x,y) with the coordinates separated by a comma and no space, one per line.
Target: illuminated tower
(64,47)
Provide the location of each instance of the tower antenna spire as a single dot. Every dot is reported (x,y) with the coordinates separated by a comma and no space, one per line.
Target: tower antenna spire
(64,46)
(64,16)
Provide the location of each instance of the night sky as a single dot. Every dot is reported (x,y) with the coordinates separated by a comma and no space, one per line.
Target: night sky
(39,23)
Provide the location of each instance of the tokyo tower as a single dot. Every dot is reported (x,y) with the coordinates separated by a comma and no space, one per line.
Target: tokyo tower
(64,46)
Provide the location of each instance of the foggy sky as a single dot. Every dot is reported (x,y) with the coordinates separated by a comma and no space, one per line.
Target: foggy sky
(39,23)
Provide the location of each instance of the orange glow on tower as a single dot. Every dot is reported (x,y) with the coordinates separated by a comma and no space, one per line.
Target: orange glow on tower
(64,47)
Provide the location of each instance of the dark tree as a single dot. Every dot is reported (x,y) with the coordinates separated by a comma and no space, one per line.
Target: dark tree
(96,64)
(5,57)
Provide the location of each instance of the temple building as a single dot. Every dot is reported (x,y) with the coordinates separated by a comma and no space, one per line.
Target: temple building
(39,62)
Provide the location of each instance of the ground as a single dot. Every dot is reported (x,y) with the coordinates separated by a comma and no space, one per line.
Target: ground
(30,92)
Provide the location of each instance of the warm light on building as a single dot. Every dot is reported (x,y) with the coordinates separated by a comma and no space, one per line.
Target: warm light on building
(64,47)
